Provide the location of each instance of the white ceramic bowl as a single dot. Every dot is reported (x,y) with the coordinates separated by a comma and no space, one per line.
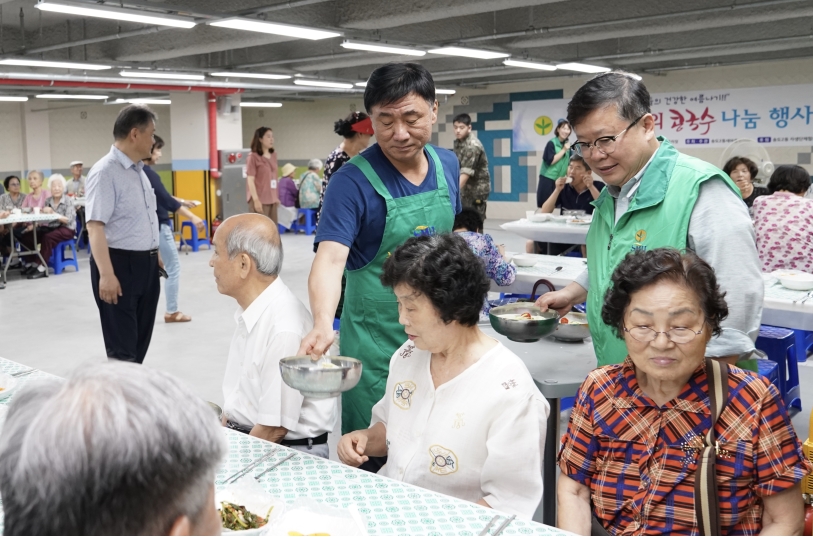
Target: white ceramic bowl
(539,217)
(525,260)
(7,385)
(794,279)
(559,217)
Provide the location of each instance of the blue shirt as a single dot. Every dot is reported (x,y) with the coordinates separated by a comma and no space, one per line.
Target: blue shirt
(120,196)
(166,203)
(354,214)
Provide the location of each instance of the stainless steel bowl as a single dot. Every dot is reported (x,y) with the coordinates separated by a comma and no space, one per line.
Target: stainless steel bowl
(217,409)
(573,332)
(313,380)
(523,331)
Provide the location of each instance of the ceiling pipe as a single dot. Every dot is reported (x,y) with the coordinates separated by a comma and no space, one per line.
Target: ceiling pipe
(93,40)
(112,86)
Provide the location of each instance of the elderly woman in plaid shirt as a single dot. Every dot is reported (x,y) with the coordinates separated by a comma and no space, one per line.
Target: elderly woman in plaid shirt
(629,458)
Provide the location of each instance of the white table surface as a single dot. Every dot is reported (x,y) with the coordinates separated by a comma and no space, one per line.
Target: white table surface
(28,218)
(558,232)
(544,269)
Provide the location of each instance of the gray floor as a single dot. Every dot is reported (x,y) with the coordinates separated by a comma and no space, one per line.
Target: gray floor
(53,324)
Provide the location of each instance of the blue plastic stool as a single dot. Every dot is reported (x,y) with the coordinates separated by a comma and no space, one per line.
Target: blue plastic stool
(804,341)
(309,227)
(196,242)
(58,260)
(780,346)
(769,370)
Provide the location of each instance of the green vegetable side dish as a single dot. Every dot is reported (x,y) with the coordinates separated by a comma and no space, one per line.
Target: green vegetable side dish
(237,517)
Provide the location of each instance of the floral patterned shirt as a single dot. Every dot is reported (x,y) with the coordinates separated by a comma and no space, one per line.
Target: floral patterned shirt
(310,194)
(497,268)
(783,222)
(334,161)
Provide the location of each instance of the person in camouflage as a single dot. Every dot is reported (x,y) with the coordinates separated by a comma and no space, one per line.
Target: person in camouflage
(475,181)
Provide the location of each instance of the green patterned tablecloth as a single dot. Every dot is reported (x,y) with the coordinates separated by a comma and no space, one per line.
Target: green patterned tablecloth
(390,507)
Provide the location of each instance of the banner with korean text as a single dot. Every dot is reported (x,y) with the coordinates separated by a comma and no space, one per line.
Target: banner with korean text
(773,116)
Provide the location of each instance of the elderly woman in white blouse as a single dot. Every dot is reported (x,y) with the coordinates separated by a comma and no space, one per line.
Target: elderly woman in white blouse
(461,415)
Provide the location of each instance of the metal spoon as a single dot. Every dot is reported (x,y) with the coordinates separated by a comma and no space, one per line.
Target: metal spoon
(273,466)
(23,373)
(488,526)
(504,525)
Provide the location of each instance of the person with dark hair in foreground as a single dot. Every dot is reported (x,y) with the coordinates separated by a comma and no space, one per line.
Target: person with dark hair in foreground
(460,415)
(123,229)
(475,181)
(166,240)
(783,221)
(398,188)
(656,197)
(117,449)
(633,468)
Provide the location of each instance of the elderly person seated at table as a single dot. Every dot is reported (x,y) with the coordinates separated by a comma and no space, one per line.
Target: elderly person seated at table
(10,200)
(310,186)
(469,224)
(783,221)
(38,195)
(630,457)
(288,193)
(271,322)
(461,415)
(743,171)
(49,234)
(117,449)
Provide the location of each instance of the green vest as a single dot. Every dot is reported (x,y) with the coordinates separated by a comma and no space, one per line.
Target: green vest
(555,171)
(658,216)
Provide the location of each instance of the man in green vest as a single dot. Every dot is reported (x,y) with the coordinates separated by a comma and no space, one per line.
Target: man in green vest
(656,197)
(399,187)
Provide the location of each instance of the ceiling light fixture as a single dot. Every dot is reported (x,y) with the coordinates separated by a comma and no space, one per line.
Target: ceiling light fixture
(441,91)
(251,75)
(10,98)
(57,65)
(469,53)
(115,13)
(158,74)
(378,47)
(362,84)
(260,105)
(322,83)
(583,67)
(529,65)
(636,77)
(288,30)
(72,96)
(145,101)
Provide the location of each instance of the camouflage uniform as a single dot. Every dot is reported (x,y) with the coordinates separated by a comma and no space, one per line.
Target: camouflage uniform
(474,163)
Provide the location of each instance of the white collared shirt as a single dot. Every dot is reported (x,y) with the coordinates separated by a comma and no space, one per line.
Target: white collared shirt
(480,435)
(271,328)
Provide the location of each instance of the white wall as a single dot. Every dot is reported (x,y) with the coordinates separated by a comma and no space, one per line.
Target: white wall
(11,139)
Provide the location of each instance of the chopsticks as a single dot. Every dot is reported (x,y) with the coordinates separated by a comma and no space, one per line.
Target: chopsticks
(273,466)
(500,528)
(250,467)
(19,374)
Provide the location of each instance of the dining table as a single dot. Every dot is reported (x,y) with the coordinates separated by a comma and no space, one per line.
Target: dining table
(556,231)
(389,507)
(24,218)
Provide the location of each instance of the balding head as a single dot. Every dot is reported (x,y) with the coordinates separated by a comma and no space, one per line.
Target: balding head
(255,235)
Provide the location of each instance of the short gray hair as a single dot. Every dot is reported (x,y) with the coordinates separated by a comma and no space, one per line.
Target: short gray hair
(314,164)
(118,449)
(620,88)
(266,254)
(57,178)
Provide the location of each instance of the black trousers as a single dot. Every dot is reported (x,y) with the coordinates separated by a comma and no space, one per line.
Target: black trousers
(127,326)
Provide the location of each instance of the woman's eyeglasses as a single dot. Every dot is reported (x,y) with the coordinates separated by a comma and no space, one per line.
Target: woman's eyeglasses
(645,334)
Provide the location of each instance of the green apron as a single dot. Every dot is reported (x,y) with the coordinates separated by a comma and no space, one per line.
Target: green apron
(370,330)
(555,171)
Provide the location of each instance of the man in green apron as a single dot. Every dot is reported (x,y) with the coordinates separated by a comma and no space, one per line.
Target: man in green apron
(397,188)
(656,197)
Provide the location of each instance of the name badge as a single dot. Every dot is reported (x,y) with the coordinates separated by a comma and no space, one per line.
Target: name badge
(273,184)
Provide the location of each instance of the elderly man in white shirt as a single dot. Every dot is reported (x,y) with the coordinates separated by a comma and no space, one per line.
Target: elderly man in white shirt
(271,323)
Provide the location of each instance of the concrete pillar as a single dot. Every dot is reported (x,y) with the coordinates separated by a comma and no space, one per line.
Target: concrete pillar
(230,125)
(190,131)
(36,138)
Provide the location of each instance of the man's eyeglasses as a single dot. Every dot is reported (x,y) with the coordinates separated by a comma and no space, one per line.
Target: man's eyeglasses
(605,144)
(645,334)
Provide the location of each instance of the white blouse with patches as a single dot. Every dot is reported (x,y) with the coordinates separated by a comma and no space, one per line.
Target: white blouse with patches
(480,435)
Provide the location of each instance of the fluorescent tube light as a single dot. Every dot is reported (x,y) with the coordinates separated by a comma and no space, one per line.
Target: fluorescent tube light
(260,105)
(58,65)
(441,91)
(636,77)
(159,74)
(9,98)
(251,75)
(145,101)
(71,96)
(362,84)
(116,13)
(321,83)
(389,49)
(583,67)
(469,53)
(529,65)
(288,30)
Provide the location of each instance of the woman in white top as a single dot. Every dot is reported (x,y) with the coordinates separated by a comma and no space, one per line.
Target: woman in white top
(461,415)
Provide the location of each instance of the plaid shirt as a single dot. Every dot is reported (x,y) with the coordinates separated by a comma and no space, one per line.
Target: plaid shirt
(639,460)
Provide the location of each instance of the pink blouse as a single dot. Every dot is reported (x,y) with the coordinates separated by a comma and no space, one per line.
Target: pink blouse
(783,224)
(32,201)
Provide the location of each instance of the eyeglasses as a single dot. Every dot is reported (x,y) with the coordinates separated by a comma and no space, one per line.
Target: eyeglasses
(605,144)
(645,334)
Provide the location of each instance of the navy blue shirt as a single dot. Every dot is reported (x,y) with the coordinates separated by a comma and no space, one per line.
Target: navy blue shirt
(354,214)
(165,202)
(570,200)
